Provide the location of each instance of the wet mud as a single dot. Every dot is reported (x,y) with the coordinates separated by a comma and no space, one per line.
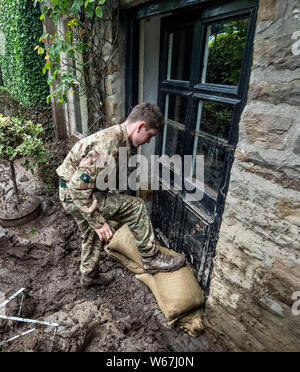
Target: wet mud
(43,257)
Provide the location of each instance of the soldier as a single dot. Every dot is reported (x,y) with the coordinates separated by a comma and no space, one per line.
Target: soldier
(98,214)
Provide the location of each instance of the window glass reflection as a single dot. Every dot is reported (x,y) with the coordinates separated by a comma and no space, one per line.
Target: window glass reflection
(215,118)
(175,113)
(214,159)
(174,140)
(224,52)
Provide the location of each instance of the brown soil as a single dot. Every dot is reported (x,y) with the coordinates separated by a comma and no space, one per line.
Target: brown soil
(43,257)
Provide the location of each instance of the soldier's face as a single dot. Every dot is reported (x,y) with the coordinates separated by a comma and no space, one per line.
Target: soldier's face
(143,135)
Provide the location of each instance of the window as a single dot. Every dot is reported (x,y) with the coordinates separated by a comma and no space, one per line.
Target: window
(204,58)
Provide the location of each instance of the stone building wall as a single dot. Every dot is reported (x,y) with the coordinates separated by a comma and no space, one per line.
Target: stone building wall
(257,265)
(115,78)
(110,52)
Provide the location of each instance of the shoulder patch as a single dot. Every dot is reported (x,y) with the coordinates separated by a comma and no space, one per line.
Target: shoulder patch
(85,178)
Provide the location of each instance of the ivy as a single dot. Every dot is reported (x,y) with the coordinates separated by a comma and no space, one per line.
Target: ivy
(70,44)
(21,66)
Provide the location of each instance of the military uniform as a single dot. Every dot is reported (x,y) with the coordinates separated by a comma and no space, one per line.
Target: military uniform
(90,207)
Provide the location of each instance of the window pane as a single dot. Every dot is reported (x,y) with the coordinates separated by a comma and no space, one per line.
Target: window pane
(174,141)
(225,44)
(214,158)
(180,54)
(175,112)
(177,108)
(215,118)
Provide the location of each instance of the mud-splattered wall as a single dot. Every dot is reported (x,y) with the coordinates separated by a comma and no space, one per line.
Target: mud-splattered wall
(257,267)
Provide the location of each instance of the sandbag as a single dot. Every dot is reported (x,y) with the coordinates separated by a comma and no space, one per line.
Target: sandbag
(177,293)
(191,323)
(123,249)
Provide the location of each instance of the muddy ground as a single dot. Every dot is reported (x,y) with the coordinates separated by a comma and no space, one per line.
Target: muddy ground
(43,257)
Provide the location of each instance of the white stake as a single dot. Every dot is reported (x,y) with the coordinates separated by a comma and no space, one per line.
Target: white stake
(20,308)
(12,297)
(28,320)
(13,338)
(18,319)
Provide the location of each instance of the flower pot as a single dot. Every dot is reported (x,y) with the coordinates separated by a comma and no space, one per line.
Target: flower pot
(28,210)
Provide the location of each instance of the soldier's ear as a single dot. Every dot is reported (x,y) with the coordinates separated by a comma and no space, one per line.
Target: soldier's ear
(140,126)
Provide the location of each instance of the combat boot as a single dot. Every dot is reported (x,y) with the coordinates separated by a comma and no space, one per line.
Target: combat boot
(163,262)
(101,279)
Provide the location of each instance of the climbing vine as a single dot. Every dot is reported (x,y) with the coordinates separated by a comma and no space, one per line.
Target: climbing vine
(76,57)
(20,65)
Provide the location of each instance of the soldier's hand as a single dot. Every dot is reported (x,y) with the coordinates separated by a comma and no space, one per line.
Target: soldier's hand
(104,232)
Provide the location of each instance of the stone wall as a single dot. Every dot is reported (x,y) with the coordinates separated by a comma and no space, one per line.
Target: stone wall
(257,265)
(113,53)
(115,78)
(110,56)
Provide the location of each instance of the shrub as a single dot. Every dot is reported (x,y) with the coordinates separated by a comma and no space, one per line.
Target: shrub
(21,138)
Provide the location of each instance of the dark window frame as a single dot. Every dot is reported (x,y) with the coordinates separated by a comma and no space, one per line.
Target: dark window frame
(196,90)
(203,12)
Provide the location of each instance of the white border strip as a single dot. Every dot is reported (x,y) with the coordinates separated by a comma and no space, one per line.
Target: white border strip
(12,297)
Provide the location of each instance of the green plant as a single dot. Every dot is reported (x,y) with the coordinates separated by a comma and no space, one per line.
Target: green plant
(20,65)
(32,230)
(78,56)
(226,50)
(74,44)
(21,138)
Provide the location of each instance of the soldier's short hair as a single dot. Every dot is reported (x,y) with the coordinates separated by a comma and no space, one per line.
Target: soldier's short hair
(149,113)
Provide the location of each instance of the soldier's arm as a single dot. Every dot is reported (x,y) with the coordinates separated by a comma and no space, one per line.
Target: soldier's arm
(81,187)
(105,232)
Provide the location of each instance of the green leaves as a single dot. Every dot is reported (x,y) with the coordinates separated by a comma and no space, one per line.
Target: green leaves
(99,12)
(41,50)
(21,138)
(77,4)
(72,23)
(68,46)
(22,64)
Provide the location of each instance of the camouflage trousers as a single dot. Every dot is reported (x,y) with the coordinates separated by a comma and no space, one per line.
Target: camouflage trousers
(117,209)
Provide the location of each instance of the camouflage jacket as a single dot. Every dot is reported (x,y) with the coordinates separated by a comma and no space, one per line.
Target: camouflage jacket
(83,164)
